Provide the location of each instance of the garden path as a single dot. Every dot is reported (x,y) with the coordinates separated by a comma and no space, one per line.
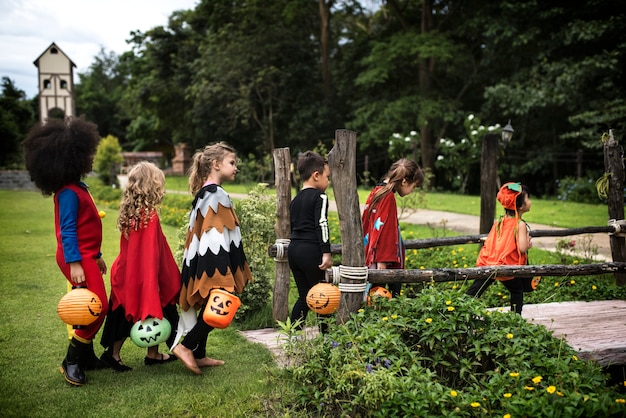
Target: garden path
(584,333)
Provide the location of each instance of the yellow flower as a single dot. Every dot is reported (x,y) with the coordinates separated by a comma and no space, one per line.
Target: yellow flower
(620,400)
(454,287)
(460,249)
(514,374)
(556,284)
(509,336)
(474,404)
(394,316)
(559,393)
(572,282)
(453,393)
(537,379)
(385,318)
(507,416)
(450,308)
(575,261)
(594,287)
(576,359)
(422,267)
(529,388)
(503,297)
(448,302)
(551,389)
(360,310)
(507,395)
(429,320)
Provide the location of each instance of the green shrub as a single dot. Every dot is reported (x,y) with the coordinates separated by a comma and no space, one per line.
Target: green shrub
(104,194)
(107,160)
(257,216)
(442,354)
(581,190)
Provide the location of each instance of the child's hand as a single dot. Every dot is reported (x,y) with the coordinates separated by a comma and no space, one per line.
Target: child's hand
(102,265)
(77,274)
(327,261)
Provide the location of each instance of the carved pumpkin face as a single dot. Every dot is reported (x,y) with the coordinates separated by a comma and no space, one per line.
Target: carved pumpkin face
(377,292)
(220,308)
(79,307)
(323,298)
(150,332)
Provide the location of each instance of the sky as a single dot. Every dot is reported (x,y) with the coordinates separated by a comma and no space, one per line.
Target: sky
(80,28)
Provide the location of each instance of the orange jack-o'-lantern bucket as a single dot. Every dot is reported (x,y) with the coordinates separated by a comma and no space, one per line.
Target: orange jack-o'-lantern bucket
(79,307)
(376,292)
(323,298)
(220,308)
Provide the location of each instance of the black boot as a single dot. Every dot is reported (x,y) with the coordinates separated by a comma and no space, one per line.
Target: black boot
(92,362)
(72,367)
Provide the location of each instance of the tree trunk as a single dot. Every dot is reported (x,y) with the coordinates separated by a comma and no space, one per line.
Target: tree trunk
(282,228)
(342,163)
(324,7)
(488,184)
(614,164)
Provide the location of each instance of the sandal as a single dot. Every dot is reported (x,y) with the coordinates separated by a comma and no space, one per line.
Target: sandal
(152,361)
(116,365)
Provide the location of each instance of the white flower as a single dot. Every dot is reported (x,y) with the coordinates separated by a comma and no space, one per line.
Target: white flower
(474,132)
(439,157)
(397,135)
(413,133)
(470,117)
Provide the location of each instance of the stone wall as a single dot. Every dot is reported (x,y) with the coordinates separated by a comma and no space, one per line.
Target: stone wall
(16,180)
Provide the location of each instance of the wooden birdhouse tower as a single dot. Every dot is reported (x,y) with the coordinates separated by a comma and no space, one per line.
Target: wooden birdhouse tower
(56,84)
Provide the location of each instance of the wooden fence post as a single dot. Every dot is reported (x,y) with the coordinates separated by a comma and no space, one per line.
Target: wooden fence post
(342,163)
(282,163)
(614,164)
(488,182)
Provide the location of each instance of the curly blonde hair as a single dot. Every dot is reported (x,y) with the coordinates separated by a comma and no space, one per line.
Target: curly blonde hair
(142,197)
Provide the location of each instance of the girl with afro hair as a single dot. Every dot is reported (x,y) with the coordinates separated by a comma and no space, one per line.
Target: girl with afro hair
(58,154)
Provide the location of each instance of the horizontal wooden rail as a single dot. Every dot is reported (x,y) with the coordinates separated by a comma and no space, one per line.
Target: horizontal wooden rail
(462,274)
(416,244)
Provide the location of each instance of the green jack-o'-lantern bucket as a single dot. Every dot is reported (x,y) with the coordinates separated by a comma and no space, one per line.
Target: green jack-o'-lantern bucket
(79,307)
(150,332)
(221,308)
(323,298)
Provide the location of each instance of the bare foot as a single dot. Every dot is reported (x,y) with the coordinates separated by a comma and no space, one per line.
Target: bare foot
(208,362)
(186,356)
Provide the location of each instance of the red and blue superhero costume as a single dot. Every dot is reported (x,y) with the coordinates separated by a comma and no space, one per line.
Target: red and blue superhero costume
(79,238)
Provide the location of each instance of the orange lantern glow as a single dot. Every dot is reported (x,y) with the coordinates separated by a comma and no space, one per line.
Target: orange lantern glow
(221,308)
(79,307)
(323,298)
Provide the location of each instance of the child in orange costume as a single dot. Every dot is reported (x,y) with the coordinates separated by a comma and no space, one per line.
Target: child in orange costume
(508,243)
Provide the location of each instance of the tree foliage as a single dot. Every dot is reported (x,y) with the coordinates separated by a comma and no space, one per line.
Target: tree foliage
(262,74)
(17,115)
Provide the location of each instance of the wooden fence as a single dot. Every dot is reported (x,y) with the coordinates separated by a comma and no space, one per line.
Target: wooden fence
(352,274)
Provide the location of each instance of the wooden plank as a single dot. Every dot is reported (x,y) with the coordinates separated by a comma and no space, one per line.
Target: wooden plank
(596,329)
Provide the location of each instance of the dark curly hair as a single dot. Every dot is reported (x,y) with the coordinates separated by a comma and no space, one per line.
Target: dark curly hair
(60,152)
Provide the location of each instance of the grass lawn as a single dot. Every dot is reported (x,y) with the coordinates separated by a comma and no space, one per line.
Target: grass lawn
(33,341)
(552,212)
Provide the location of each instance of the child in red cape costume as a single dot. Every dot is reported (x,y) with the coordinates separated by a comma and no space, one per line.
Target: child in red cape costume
(145,279)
